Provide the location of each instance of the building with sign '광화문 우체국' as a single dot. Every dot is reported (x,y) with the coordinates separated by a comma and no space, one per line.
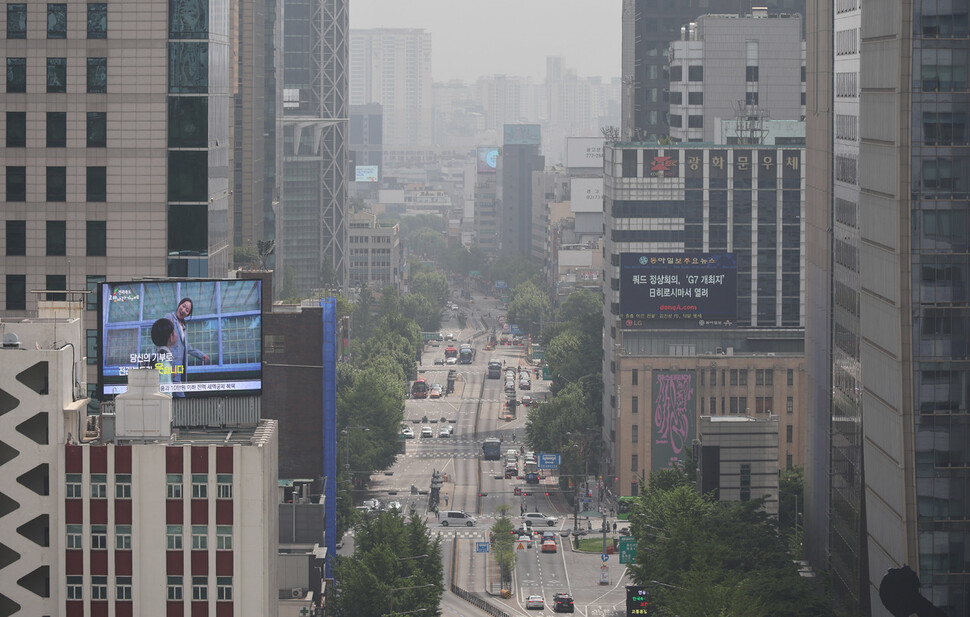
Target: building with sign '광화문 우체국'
(704,298)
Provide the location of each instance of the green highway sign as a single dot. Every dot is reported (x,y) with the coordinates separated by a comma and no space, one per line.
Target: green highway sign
(628,549)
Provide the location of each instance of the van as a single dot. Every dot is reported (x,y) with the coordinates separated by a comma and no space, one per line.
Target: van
(457,517)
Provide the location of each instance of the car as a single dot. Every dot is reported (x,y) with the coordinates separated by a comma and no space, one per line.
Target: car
(511,471)
(439,361)
(426,432)
(451,335)
(450,361)
(514,454)
(535,602)
(540,518)
(562,603)
(525,384)
(549,546)
(394,505)
(435,391)
(526,539)
(408,432)
(447,427)
(548,535)
(444,432)
(528,401)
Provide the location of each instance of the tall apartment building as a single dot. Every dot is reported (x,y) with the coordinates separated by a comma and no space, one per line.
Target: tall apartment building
(520,157)
(726,67)
(704,297)
(486,207)
(649,26)
(116,150)
(392,66)
(374,252)
(312,234)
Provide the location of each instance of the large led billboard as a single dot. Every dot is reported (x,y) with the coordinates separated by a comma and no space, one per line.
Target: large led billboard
(522,134)
(365,173)
(678,290)
(203,336)
(674,420)
(487,160)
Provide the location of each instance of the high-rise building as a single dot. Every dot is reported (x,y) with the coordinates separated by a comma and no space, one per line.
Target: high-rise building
(392,67)
(520,157)
(312,233)
(486,209)
(375,254)
(648,28)
(726,66)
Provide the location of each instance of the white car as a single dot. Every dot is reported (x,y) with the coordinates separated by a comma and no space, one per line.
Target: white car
(444,432)
(526,539)
(408,432)
(394,505)
(426,432)
(452,360)
(535,602)
(538,518)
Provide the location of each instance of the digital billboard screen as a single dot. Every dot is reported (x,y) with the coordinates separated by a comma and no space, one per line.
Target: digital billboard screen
(365,173)
(204,337)
(674,419)
(487,160)
(684,289)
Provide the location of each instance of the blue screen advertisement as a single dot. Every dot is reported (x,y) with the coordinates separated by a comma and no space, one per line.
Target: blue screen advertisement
(696,289)
(203,337)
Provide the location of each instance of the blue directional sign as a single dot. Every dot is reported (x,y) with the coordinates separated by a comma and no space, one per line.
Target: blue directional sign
(605,557)
(548,461)
(481,547)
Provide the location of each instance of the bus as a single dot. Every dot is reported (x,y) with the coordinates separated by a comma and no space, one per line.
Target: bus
(492,449)
(623,507)
(419,389)
(494,369)
(531,473)
(466,355)
(450,352)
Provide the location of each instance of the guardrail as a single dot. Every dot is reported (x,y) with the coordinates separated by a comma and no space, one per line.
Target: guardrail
(468,596)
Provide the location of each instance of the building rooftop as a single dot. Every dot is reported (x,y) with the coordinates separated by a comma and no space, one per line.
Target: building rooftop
(697,144)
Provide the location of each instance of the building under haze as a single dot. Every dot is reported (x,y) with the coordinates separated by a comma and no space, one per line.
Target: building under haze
(520,157)
(311,245)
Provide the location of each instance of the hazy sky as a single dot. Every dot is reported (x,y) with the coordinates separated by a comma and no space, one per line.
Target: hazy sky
(470,38)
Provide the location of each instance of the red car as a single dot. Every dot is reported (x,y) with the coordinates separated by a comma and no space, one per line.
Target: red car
(549,546)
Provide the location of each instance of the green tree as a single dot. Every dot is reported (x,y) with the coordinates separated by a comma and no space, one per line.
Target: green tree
(431,285)
(418,307)
(427,243)
(514,270)
(503,544)
(375,401)
(528,306)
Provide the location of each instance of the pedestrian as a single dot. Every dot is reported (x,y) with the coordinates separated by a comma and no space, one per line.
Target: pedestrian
(614,526)
(437,514)
(537,508)
(446,503)
(589,525)
(521,509)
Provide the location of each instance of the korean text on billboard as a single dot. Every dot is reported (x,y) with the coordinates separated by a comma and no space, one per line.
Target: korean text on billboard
(697,288)
(203,337)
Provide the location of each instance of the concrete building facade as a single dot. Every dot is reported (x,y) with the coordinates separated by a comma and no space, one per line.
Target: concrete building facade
(375,253)
(737,459)
(520,158)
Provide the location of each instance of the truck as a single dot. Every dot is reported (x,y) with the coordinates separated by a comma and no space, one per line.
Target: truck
(492,449)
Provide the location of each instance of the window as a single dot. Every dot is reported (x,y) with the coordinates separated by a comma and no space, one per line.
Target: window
(57,184)
(702,375)
(635,377)
(74,536)
(56,129)
(791,377)
(174,586)
(56,282)
(174,486)
(695,73)
(97,134)
(224,588)
(759,377)
(200,490)
(97,239)
(16,129)
(802,99)
(635,404)
(695,122)
(92,346)
(99,486)
(676,74)
(73,485)
(713,405)
(123,537)
(676,98)
(16,75)
(75,587)
(734,404)
(93,282)
(635,463)
(224,537)
(97,75)
(57,21)
(789,405)
(788,461)
(768,404)
(750,98)
(200,589)
(695,98)
(224,486)
(16,21)
(745,481)
(16,183)
(123,486)
(734,377)
(97,20)
(174,537)
(803,74)
(123,587)
(200,538)
(789,433)
(56,75)
(99,537)
(56,238)
(743,404)
(750,73)
(713,377)
(16,292)
(676,120)
(97,189)
(769,377)
(743,377)
(635,433)
(16,238)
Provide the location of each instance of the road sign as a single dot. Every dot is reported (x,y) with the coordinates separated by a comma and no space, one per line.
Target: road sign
(604,574)
(521,546)
(481,547)
(628,549)
(548,461)
(604,557)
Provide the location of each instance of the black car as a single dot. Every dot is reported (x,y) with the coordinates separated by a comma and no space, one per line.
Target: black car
(562,603)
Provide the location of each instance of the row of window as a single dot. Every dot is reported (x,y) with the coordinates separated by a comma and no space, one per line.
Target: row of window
(56,133)
(739,377)
(174,536)
(695,72)
(95,190)
(97,21)
(175,588)
(17,290)
(96,236)
(739,404)
(56,75)
(200,486)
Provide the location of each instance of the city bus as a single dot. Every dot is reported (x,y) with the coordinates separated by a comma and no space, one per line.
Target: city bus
(531,473)
(466,355)
(623,507)
(494,369)
(492,449)
(419,389)
(450,352)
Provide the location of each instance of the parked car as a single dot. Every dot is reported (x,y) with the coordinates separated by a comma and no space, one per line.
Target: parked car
(426,432)
(539,518)
(562,603)
(535,602)
(549,546)
(526,540)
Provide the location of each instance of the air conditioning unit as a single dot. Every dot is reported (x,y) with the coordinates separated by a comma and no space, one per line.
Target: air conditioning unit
(719,351)
(297,592)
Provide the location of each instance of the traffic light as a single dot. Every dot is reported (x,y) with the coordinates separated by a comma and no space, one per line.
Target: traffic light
(483,494)
(547,494)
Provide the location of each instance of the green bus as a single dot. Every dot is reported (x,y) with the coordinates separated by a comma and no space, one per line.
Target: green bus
(623,507)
